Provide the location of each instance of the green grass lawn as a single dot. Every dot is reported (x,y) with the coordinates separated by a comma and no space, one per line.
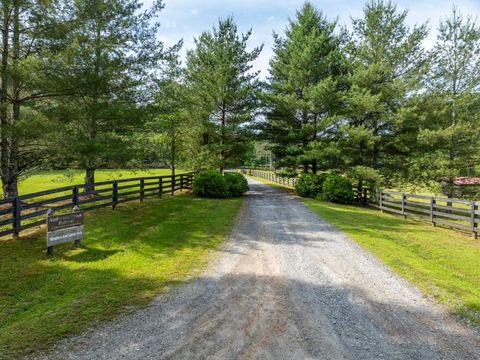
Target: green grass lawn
(129,255)
(443,263)
(47,180)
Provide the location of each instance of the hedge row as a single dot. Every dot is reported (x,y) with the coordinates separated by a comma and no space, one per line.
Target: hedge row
(214,184)
(331,187)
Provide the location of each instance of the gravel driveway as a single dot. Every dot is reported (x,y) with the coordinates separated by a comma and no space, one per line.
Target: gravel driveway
(285,286)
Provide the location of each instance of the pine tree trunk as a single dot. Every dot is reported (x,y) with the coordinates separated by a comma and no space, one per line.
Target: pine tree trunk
(8,141)
(314,161)
(90,179)
(90,169)
(172,160)
(5,139)
(10,187)
(14,151)
(222,141)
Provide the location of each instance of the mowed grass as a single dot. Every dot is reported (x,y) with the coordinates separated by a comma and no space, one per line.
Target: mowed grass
(441,262)
(47,180)
(129,256)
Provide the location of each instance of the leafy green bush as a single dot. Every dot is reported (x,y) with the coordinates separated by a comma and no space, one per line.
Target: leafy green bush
(210,184)
(310,185)
(338,189)
(213,184)
(236,184)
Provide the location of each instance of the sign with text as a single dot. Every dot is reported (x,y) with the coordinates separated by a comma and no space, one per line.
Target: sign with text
(64,228)
(64,221)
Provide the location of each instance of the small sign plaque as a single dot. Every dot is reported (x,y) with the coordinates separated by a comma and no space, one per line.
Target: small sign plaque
(64,228)
(64,221)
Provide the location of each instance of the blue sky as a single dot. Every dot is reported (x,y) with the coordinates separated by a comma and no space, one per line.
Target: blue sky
(184,19)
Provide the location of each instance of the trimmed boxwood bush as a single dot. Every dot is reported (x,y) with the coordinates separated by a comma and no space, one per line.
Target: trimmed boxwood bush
(310,185)
(236,184)
(338,189)
(213,184)
(210,184)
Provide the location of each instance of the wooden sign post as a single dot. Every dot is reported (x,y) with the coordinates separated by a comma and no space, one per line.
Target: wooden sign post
(64,228)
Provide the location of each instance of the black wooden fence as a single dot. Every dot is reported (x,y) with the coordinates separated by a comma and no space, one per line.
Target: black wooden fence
(27,211)
(454,213)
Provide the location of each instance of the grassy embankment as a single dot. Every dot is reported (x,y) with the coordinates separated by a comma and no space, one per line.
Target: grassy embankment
(129,255)
(443,263)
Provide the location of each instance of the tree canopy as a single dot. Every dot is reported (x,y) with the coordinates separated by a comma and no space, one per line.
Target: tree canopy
(87,84)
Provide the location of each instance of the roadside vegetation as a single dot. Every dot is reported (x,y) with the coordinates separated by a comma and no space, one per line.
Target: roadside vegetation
(443,263)
(129,256)
(214,184)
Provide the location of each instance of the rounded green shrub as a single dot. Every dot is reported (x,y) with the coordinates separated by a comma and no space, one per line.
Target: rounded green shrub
(338,189)
(210,184)
(236,184)
(310,185)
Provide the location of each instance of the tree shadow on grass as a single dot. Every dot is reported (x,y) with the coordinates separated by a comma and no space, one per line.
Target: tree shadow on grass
(89,254)
(57,300)
(45,298)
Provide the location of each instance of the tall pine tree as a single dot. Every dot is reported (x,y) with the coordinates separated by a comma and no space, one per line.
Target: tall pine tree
(307,77)
(112,57)
(31,33)
(388,61)
(449,135)
(223,93)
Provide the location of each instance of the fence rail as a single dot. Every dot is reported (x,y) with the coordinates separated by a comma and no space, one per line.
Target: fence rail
(453,213)
(27,211)
(271,176)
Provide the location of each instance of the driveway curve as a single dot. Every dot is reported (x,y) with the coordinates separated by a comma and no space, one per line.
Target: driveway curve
(286,285)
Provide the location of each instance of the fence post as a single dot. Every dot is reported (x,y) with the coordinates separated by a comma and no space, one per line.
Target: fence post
(17,212)
(75,196)
(160,186)
(181,182)
(381,200)
(142,189)
(114,195)
(172,183)
(365,196)
(473,223)
(77,243)
(49,248)
(432,209)
(403,206)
